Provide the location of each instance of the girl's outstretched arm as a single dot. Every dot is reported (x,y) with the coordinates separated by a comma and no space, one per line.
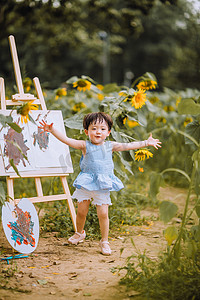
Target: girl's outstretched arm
(77,144)
(137,145)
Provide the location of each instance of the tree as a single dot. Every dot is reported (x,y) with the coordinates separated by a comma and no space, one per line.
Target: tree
(58,39)
(169,46)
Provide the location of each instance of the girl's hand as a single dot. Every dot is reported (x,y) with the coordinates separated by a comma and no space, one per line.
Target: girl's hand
(153,142)
(45,127)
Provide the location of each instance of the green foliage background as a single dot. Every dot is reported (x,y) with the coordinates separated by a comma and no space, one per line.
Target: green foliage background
(57,39)
(117,41)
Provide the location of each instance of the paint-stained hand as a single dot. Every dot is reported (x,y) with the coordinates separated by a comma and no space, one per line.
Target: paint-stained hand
(153,142)
(46,127)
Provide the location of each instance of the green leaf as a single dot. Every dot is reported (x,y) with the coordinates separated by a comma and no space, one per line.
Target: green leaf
(14,167)
(126,164)
(72,80)
(170,234)
(4,120)
(198,210)
(2,193)
(193,129)
(152,108)
(149,76)
(196,156)
(195,230)
(110,88)
(142,120)
(16,127)
(188,106)
(119,172)
(178,171)
(121,251)
(197,182)
(87,294)
(42,282)
(119,136)
(9,119)
(191,248)
(168,210)
(74,122)
(88,78)
(132,116)
(95,89)
(32,120)
(191,139)
(126,155)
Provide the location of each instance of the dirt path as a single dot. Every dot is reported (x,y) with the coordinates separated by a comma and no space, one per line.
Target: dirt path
(57,270)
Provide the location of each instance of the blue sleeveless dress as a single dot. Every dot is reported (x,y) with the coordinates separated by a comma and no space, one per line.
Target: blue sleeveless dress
(97,169)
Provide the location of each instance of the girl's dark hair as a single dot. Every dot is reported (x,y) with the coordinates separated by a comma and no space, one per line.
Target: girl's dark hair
(92,118)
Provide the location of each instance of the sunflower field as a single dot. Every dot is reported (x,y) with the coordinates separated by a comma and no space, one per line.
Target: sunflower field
(173,117)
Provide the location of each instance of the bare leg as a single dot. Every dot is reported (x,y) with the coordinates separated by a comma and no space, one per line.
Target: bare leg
(80,222)
(102,212)
(82,212)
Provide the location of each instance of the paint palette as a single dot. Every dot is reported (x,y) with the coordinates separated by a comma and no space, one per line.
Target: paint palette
(21,225)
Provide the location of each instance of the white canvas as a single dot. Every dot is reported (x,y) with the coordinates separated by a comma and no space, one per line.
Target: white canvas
(5,146)
(44,152)
(21,225)
(56,152)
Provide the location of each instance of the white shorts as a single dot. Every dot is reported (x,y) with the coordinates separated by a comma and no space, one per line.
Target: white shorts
(96,197)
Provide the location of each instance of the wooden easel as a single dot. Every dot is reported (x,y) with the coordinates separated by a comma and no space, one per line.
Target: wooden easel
(22,97)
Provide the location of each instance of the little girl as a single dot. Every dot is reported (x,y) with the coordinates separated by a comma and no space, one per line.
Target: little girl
(96,179)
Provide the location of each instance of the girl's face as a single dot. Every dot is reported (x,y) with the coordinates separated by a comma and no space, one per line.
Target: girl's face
(98,132)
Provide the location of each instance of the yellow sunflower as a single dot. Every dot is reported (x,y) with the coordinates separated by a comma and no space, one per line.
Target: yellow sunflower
(154,99)
(161,120)
(100,87)
(82,85)
(130,123)
(178,100)
(79,106)
(61,92)
(128,98)
(124,120)
(143,154)
(100,97)
(168,108)
(139,99)
(187,121)
(147,85)
(123,94)
(25,109)
(27,82)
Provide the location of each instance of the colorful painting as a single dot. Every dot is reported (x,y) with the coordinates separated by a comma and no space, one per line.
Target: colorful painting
(21,225)
(33,149)
(49,152)
(42,138)
(11,151)
(22,228)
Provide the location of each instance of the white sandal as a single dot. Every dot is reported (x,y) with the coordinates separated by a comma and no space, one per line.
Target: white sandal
(74,240)
(105,248)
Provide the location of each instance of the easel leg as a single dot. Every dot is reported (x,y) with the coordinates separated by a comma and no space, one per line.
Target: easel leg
(69,201)
(10,192)
(10,189)
(2,94)
(38,186)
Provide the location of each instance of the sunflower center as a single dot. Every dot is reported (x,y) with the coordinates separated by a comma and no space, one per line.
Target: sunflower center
(25,110)
(82,83)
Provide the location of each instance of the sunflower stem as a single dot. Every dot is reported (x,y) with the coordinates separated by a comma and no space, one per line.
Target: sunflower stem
(177,246)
